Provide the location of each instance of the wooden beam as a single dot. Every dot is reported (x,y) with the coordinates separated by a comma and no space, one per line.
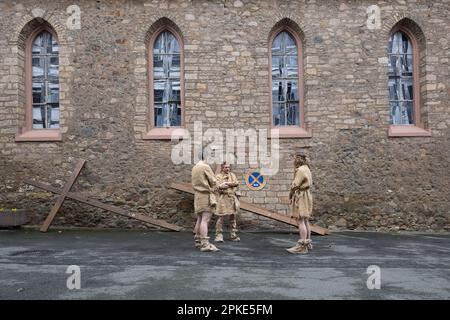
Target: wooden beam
(95,203)
(187,187)
(48,221)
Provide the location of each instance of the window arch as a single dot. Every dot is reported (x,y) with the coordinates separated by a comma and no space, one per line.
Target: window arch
(287,94)
(285,75)
(405,42)
(43,80)
(401,78)
(166,79)
(41,45)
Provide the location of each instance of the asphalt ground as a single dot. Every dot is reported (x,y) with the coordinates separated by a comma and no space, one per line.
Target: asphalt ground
(165,265)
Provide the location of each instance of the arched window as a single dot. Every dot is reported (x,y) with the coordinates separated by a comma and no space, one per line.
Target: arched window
(402,89)
(166,81)
(285,75)
(44,81)
(406,57)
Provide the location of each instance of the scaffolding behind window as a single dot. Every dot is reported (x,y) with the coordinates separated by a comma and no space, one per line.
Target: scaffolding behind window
(400,62)
(285,81)
(45,81)
(166,80)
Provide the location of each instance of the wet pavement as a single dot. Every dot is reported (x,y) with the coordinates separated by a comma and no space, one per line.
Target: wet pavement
(165,265)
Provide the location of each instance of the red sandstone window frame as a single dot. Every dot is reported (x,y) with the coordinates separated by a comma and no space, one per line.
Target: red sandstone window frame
(153,132)
(28,133)
(301,130)
(417,129)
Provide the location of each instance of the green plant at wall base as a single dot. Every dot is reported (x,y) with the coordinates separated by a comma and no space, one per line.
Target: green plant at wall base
(12,210)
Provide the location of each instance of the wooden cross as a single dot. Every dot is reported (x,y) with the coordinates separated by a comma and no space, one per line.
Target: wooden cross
(48,221)
(65,193)
(187,187)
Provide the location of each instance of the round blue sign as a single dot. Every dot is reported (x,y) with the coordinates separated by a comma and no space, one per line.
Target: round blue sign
(255,180)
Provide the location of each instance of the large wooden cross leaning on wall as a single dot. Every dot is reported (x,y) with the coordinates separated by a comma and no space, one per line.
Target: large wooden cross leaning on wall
(65,193)
(250,207)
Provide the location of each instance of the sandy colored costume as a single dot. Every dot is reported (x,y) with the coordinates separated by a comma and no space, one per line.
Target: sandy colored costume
(204,183)
(302,202)
(226,202)
(227,205)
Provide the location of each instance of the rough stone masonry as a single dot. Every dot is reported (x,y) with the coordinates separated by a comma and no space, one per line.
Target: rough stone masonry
(364,179)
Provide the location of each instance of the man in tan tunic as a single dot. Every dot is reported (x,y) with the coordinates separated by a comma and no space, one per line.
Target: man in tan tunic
(301,202)
(227,202)
(205,185)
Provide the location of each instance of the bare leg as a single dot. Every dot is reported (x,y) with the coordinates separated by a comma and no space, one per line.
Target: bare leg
(308,229)
(206,216)
(205,246)
(197,224)
(302,229)
(301,246)
(196,231)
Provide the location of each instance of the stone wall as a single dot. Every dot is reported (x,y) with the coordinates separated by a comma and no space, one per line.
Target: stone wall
(363,179)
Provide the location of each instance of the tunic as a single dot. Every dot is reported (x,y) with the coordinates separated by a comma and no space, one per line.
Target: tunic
(204,184)
(227,202)
(302,203)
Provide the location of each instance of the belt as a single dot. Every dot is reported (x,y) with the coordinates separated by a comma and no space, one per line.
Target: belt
(300,189)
